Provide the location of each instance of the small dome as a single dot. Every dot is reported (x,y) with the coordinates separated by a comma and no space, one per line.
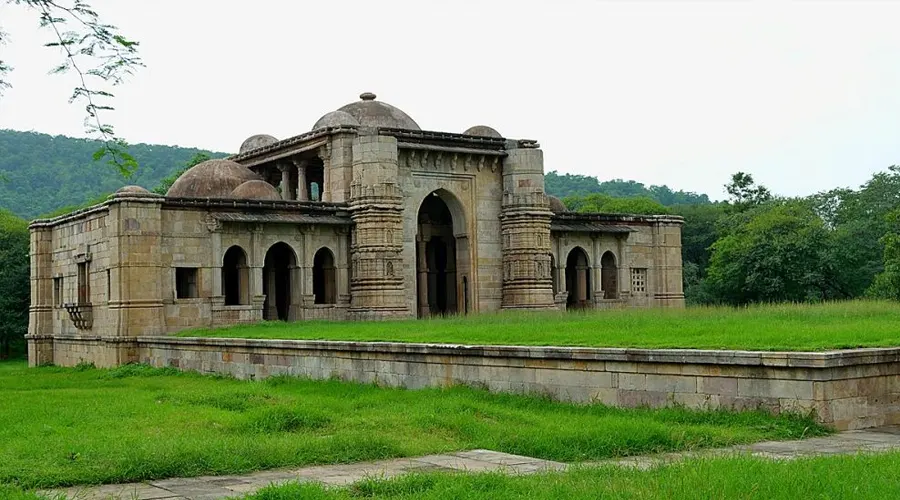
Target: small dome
(483,131)
(256,190)
(556,205)
(257,141)
(211,179)
(336,119)
(132,189)
(371,113)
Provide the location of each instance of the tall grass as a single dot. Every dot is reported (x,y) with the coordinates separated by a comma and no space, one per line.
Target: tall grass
(84,426)
(858,477)
(790,327)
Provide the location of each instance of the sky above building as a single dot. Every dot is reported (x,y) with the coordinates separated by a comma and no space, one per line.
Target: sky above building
(803,95)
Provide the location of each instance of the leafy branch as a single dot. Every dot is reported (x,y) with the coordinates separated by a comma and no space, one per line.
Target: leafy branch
(98,54)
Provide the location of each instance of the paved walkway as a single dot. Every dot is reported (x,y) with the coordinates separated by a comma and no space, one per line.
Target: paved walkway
(216,487)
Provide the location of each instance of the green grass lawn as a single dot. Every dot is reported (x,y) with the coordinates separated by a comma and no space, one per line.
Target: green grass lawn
(857,477)
(840,325)
(65,426)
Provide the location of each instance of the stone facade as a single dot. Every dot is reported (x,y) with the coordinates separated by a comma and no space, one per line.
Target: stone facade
(365,217)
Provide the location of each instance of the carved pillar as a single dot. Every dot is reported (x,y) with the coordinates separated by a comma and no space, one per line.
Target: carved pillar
(285,181)
(581,284)
(325,156)
(597,276)
(376,207)
(422,288)
(302,185)
(525,227)
(271,309)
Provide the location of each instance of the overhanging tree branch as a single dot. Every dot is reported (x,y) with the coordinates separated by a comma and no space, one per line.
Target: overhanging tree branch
(113,58)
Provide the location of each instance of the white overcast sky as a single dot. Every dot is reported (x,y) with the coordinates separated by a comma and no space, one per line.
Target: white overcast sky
(804,95)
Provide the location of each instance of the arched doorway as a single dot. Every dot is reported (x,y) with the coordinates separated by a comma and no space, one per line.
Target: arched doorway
(323,277)
(279,265)
(235,277)
(578,279)
(609,277)
(436,263)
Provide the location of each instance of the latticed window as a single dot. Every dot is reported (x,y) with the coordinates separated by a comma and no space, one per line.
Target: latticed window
(638,280)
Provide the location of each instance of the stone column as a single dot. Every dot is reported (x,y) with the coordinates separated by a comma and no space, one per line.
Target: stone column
(525,228)
(302,185)
(422,289)
(582,282)
(325,156)
(285,181)
(271,309)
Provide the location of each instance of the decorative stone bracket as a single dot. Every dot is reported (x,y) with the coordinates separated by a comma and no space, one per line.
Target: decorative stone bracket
(82,315)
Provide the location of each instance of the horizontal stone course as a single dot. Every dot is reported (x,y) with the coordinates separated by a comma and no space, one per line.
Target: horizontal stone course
(846,389)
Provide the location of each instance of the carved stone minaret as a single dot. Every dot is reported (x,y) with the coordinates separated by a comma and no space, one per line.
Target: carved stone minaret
(376,207)
(525,227)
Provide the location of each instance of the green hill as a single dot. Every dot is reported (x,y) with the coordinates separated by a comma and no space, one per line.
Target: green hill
(572,185)
(40,173)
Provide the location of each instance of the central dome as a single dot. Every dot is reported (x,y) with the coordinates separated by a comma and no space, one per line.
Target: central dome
(211,179)
(371,113)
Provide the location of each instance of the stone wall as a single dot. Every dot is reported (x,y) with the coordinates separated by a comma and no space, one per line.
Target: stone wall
(846,389)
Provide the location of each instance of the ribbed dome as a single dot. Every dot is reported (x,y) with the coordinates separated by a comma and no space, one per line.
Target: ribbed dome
(336,119)
(257,141)
(556,205)
(256,190)
(132,189)
(211,179)
(371,113)
(483,131)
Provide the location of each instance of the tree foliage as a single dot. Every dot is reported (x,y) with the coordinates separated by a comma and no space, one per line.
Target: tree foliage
(775,252)
(601,203)
(44,173)
(744,191)
(14,283)
(99,55)
(573,186)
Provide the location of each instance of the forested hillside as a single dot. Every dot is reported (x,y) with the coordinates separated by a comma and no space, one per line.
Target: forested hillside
(571,185)
(40,173)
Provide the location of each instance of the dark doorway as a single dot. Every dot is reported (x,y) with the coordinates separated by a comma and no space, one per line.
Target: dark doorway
(609,276)
(578,279)
(323,277)
(235,277)
(436,259)
(280,264)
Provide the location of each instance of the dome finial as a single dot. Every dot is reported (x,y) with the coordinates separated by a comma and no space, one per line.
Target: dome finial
(367,96)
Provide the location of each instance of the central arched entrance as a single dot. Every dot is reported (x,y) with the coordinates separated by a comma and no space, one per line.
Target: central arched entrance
(436,259)
(578,279)
(279,265)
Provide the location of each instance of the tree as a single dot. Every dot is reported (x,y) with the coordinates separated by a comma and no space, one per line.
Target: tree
(98,54)
(775,252)
(886,284)
(14,283)
(601,203)
(744,192)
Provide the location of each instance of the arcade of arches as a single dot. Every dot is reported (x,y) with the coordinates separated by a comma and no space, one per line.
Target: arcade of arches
(279,283)
(578,278)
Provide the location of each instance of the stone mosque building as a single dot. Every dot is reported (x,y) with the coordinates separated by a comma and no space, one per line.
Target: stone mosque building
(367,216)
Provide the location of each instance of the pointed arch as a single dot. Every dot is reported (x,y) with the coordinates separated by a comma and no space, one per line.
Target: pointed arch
(324,277)
(235,277)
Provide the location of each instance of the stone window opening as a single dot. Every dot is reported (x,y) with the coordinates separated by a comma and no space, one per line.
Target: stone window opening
(108,285)
(315,179)
(58,291)
(84,283)
(609,273)
(324,277)
(638,280)
(186,283)
(235,277)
